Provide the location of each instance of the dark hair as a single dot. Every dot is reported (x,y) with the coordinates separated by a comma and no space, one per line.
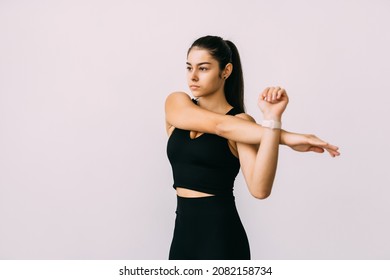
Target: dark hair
(224,51)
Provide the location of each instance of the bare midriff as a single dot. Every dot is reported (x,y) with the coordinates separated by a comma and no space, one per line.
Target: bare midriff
(190,193)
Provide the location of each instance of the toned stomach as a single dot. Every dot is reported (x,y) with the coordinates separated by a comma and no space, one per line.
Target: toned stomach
(190,193)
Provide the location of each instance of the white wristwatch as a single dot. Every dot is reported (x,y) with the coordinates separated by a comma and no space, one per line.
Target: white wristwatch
(271,124)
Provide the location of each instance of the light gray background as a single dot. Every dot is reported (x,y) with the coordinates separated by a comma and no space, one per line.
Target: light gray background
(83,168)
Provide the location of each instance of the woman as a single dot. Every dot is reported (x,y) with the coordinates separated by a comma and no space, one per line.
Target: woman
(210,138)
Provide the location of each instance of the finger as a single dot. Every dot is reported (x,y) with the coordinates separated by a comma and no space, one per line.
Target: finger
(316,149)
(269,94)
(333,147)
(275,93)
(264,94)
(314,140)
(281,92)
(260,98)
(333,153)
(332,150)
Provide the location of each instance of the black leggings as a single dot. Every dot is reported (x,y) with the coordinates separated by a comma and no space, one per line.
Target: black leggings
(208,228)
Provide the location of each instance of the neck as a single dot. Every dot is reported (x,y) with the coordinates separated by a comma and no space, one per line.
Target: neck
(215,102)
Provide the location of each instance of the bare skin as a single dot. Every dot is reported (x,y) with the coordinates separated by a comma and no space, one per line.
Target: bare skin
(256,147)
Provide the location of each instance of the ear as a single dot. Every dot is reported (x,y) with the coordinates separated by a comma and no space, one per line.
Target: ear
(227,71)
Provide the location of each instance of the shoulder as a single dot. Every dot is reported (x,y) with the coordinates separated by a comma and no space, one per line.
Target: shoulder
(177,96)
(245,117)
(175,102)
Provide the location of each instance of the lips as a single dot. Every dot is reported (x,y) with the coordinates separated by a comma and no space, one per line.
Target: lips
(194,87)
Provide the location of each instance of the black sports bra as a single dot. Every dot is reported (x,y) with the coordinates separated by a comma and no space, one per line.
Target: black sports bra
(203,164)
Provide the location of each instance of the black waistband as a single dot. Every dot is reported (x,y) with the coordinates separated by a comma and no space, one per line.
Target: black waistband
(205,205)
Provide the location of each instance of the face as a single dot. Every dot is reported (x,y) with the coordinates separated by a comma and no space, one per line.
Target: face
(203,74)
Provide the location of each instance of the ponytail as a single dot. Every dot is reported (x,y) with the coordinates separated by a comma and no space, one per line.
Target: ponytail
(234,85)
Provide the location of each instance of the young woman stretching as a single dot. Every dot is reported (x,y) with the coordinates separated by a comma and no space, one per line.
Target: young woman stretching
(210,138)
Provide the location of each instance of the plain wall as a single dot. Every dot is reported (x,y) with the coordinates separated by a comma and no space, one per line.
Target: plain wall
(83,166)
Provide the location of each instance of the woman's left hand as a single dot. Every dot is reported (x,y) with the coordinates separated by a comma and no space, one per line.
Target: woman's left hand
(272,102)
(308,143)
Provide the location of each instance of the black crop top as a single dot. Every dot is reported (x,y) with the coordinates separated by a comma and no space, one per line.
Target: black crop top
(203,164)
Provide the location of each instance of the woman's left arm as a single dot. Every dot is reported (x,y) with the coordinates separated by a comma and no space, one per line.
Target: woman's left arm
(259,162)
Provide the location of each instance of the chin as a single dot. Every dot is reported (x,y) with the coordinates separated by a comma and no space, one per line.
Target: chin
(196,94)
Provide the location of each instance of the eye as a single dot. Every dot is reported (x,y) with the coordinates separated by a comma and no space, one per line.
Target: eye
(203,69)
(189,68)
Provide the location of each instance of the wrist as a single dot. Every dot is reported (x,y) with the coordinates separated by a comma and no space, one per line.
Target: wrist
(283,134)
(271,124)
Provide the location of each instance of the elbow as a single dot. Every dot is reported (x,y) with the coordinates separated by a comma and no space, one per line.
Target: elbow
(262,193)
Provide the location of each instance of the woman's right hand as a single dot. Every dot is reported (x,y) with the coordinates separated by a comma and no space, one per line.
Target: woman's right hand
(272,102)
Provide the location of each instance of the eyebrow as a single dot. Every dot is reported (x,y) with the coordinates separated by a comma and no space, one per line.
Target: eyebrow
(199,63)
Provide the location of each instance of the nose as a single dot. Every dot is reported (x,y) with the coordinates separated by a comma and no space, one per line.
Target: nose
(193,76)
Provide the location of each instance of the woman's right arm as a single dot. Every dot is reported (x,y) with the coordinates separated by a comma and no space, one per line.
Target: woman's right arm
(182,113)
